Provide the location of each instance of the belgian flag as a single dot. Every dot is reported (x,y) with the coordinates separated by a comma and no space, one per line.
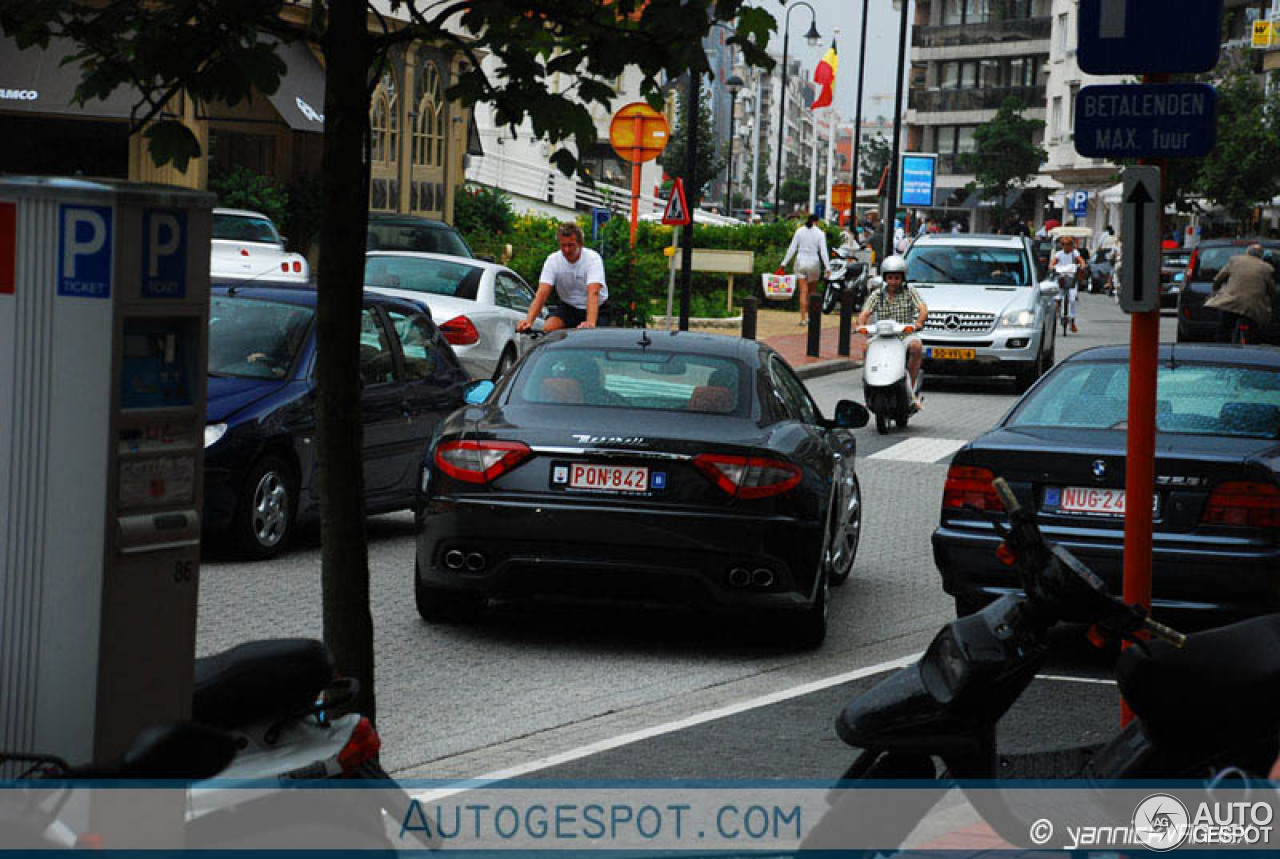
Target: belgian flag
(825,76)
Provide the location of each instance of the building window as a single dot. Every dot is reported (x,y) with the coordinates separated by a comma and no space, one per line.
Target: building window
(1055,118)
(428,126)
(1071,111)
(1062,34)
(384,121)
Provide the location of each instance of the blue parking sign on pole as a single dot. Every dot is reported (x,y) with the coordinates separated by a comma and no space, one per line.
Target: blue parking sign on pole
(1122,37)
(599,217)
(1080,203)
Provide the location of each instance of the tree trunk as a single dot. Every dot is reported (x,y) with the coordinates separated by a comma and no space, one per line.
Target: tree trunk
(348,624)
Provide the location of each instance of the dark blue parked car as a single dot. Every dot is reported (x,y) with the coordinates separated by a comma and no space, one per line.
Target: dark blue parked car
(260,451)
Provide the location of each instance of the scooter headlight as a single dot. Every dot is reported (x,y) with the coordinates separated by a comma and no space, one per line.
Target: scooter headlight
(1018,319)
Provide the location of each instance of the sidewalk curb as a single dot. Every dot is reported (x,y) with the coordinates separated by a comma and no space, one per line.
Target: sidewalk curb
(826,368)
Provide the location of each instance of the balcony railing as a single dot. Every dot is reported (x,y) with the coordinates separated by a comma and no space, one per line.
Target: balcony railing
(1011,30)
(938,100)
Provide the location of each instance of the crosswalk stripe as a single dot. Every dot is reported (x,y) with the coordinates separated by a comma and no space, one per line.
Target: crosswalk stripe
(920,449)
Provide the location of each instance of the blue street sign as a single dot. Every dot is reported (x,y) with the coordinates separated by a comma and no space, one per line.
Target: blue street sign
(1079,203)
(599,217)
(1146,121)
(919,174)
(1131,37)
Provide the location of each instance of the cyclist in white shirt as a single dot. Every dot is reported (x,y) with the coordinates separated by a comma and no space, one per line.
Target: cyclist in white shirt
(1066,263)
(576,273)
(809,247)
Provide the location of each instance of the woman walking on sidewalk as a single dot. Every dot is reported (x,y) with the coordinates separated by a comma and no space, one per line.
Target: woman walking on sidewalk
(809,247)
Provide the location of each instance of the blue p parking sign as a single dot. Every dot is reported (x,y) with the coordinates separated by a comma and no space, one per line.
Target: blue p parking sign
(84,251)
(164,254)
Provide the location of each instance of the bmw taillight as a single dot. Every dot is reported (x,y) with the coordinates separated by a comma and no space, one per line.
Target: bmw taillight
(1238,502)
(362,747)
(460,331)
(480,461)
(1191,263)
(970,486)
(748,476)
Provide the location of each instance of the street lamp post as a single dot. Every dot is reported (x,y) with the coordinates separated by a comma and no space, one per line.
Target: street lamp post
(857,122)
(902,6)
(813,37)
(734,85)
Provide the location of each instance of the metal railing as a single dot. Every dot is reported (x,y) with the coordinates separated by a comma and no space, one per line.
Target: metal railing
(955,35)
(991,98)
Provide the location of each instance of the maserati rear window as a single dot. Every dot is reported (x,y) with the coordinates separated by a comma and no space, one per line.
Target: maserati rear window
(1196,399)
(634,379)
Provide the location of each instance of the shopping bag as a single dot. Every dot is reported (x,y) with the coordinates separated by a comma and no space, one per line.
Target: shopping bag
(779,287)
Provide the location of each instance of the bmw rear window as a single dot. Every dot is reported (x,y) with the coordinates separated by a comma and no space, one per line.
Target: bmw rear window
(970,265)
(1192,398)
(634,379)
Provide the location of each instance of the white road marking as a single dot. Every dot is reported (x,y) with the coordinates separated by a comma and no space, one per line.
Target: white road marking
(665,728)
(921,449)
(1066,678)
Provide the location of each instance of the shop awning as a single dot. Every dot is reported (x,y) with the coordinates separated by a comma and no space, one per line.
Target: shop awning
(300,97)
(36,81)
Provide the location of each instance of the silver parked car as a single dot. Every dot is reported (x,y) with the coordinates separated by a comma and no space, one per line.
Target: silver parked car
(476,304)
(988,312)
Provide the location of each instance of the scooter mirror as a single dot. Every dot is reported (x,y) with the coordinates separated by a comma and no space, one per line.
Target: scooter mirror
(851,415)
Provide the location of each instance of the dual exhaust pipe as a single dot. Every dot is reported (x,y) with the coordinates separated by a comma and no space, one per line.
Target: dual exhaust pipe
(760,578)
(472,562)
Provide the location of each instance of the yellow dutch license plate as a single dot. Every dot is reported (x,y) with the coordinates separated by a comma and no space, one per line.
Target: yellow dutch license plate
(952,354)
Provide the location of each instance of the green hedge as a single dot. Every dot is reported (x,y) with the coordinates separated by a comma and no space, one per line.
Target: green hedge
(642,277)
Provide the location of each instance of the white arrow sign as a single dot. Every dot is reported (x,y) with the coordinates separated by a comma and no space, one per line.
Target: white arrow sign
(1140,226)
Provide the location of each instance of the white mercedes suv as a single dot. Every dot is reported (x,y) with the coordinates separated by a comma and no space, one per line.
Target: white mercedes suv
(988,312)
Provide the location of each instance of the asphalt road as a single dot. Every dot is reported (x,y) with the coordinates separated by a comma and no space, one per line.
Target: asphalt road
(620,693)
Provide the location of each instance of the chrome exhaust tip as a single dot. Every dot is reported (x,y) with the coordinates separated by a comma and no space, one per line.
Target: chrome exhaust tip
(739,578)
(454,559)
(762,578)
(475,562)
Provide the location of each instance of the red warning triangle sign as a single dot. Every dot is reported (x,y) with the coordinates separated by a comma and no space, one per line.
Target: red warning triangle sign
(677,212)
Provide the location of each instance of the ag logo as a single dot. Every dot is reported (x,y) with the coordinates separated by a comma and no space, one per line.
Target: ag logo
(1161,822)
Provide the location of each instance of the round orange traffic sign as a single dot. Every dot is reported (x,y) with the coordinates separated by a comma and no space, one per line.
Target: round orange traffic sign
(638,132)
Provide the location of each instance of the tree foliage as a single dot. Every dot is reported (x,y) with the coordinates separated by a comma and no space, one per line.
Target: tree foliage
(710,161)
(242,188)
(874,157)
(223,52)
(795,187)
(1240,172)
(1004,157)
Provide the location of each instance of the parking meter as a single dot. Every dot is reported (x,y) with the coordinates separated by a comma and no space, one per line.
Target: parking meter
(104,302)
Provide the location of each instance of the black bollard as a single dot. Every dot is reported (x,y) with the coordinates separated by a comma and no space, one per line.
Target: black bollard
(749,317)
(846,323)
(815,325)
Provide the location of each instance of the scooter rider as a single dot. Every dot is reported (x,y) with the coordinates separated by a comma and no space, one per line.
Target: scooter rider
(899,301)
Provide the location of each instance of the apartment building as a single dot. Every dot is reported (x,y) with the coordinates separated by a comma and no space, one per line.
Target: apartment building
(967,57)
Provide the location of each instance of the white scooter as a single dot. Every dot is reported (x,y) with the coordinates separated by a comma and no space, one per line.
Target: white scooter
(886,384)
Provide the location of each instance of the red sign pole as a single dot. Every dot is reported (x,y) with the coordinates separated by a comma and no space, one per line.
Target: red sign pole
(637,133)
(1140,454)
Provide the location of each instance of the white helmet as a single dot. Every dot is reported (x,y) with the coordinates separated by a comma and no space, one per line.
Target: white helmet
(893,264)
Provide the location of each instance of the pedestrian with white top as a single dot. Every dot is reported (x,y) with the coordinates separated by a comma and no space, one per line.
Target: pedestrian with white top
(809,247)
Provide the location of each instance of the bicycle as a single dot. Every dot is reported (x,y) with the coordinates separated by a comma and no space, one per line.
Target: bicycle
(1066,276)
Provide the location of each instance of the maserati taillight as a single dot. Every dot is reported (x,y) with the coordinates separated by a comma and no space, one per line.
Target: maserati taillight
(748,476)
(482,461)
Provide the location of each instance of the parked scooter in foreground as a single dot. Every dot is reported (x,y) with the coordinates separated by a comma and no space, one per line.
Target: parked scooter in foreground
(886,384)
(271,711)
(1206,704)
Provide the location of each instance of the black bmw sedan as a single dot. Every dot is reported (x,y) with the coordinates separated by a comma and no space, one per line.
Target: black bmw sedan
(656,467)
(1062,449)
